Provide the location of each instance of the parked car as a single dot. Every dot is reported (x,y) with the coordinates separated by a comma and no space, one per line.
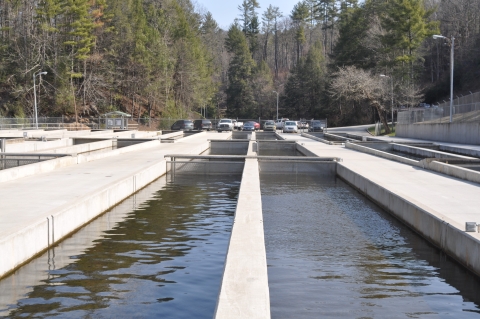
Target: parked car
(280,123)
(302,125)
(184,125)
(249,126)
(290,127)
(257,125)
(237,125)
(225,125)
(316,126)
(269,126)
(202,125)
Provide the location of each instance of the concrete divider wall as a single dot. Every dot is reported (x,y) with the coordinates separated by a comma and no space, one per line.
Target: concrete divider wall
(375,152)
(50,165)
(424,152)
(244,290)
(462,133)
(83,148)
(141,146)
(229,147)
(302,149)
(297,167)
(28,146)
(241,135)
(36,168)
(460,150)
(276,146)
(450,170)
(440,231)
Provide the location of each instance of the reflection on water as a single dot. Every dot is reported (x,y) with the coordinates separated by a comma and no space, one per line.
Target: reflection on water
(162,259)
(332,253)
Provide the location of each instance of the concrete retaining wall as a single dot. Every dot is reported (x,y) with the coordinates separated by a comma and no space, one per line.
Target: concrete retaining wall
(437,229)
(462,133)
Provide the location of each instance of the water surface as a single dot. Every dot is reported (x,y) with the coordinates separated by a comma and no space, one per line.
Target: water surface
(333,254)
(163,258)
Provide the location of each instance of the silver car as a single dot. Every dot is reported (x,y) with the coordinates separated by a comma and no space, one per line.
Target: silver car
(269,126)
(290,127)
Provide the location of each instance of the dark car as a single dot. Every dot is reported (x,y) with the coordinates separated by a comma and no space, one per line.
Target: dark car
(202,125)
(184,125)
(249,126)
(316,126)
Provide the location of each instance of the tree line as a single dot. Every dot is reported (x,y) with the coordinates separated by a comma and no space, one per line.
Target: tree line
(341,59)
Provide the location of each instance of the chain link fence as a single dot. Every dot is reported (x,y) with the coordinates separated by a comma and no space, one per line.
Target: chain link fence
(49,123)
(465,109)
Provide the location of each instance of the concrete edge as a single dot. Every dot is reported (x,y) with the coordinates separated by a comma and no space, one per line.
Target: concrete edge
(427,152)
(118,151)
(244,291)
(320,139)
(378,153)
(81,148)
(440,231)
(452,170)
(439,167)
(36,168)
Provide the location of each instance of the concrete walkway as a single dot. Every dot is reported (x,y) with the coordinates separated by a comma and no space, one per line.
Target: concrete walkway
(75,194)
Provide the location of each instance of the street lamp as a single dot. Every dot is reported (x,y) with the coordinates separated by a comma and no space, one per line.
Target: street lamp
(452,45)
(277,103)
(391,81)
(35,95)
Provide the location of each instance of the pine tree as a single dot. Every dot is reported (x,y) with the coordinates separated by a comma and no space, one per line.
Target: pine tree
(240,97)
(407,26)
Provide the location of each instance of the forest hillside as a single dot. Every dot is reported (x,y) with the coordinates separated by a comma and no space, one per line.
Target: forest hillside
(347,60)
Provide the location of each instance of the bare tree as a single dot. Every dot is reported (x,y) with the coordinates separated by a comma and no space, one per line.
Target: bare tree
(358,85)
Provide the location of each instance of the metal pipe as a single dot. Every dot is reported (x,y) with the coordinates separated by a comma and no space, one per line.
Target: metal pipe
(53,230)
(48,232)
(35,96)
(451,77)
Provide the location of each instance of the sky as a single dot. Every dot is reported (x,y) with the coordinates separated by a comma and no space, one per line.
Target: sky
(225,11)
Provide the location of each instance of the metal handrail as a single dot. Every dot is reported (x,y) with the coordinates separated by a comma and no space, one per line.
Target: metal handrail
(281,158)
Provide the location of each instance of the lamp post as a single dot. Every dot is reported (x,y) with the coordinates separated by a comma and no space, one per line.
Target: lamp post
(35,95)
(277,103)
(452,46)
(391,81)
